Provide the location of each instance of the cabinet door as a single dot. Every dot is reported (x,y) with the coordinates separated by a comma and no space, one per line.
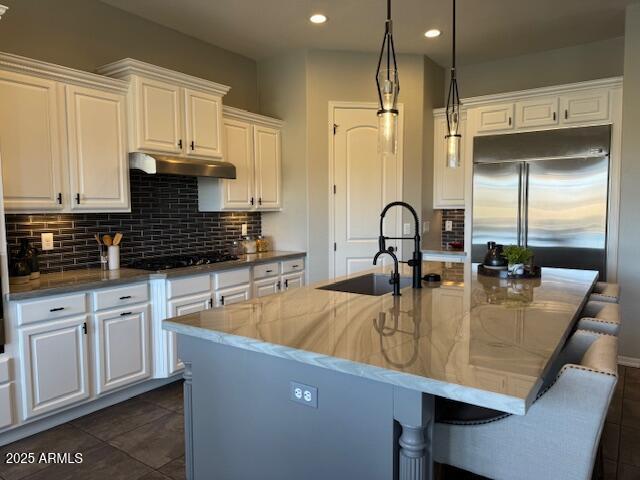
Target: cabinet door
(30,143)
(267,157)
(293,280)
(495,117)
(238,144)
(267,286)
(99,172)
(178,307)
(588,106)
(204,123)
(538,112)
(158,122)
(54,365)
(122,345)
(229,296)
(448,188)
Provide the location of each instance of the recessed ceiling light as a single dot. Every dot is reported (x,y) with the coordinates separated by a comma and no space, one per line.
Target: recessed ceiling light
(318,18)
(433,33)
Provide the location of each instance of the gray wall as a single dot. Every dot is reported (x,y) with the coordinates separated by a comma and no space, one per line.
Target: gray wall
(553,67)
(85,34)
(629,267)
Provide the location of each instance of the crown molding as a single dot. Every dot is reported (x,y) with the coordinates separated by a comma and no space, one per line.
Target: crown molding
(612,82)
(239,114)
(58,73)
(123,69)
(3,10)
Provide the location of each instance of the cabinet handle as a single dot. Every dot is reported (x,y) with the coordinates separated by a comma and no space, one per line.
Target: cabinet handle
(260,201)
(78,198)
(566,114)
(180,144)
(509,121)
(221,299)
(211,303)
(286,283)
(126,297)
(193,145)
(554,116)
(279,285)
(84,328)
(268,271)
(59,198)
(57,309)
(124,314)
(295,266)
(251,201)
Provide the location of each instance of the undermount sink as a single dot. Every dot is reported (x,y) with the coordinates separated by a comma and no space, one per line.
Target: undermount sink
(370,284)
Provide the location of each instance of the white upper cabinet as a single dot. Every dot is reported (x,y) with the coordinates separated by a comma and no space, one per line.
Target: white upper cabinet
(30,149)
(448,191)
(157,123)
(492,118)
(204,119)
(537,112)
(171,112)
(62,138)
(252,143)
(266,142)
(585,106)
(98,173)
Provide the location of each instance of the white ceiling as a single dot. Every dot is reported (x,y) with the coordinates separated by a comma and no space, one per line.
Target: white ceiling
(487,29)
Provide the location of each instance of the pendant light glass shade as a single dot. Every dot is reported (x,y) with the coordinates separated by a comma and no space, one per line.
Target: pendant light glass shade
(453,137)
(388,90)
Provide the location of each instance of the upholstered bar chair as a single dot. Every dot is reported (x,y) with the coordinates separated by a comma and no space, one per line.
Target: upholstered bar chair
(606,292)
(557,439)
(601,317)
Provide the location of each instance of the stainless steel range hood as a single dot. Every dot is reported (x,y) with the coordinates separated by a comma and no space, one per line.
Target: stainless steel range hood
(168,165)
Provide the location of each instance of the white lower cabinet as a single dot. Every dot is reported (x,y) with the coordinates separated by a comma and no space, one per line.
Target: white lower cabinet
(122,347)
(231,295)
(6,392)
(266,286)
(54,365)
(177,307)
(292,280)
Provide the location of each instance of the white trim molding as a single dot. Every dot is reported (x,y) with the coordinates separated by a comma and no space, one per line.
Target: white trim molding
(629,361)
(3,10)
(245,115)
(123,69)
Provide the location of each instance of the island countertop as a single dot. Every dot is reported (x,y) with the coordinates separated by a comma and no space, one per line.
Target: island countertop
(476,339)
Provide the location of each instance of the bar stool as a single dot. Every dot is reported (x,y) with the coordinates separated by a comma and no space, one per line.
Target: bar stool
(601,317)
(606,292)
(558,438)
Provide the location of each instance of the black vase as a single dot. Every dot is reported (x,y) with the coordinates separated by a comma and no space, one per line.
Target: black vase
(494,257)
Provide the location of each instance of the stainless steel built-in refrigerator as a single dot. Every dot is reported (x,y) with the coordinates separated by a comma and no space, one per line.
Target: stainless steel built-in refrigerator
(544,190)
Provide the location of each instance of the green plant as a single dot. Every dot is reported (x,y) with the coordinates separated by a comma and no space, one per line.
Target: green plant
(516,254)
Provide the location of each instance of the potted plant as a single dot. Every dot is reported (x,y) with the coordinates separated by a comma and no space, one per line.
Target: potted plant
(517,257)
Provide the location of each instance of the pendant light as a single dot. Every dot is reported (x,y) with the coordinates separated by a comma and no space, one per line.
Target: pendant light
(453,136)
(388,89)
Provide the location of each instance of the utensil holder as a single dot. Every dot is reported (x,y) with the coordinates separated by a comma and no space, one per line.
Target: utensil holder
(114,257)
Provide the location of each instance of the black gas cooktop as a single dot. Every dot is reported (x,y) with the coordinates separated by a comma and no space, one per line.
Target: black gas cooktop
(180,261)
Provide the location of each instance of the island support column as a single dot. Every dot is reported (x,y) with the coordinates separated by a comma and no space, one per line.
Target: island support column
(188,421)
(414,412)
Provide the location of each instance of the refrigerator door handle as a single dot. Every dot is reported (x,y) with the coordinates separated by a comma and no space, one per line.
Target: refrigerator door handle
(525,206)
(519,219)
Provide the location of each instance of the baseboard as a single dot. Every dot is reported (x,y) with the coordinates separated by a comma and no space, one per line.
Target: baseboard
(629,361)
(38,425)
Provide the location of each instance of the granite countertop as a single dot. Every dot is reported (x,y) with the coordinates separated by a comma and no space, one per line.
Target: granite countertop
(89,279)
(476,339)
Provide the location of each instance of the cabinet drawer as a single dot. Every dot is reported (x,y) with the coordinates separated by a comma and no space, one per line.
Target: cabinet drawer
(118,297)
(266,270)
(295,265)
(231,278)
(188,286)
(51,308)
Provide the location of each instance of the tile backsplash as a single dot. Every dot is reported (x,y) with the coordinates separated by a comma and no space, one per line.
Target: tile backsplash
(457,235)
(164,220)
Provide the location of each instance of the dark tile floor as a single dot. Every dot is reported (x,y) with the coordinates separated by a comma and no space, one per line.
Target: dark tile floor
(140,439)
(143,439)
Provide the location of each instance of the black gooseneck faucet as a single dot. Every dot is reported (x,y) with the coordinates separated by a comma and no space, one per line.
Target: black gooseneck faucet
(395,276)
(416,261)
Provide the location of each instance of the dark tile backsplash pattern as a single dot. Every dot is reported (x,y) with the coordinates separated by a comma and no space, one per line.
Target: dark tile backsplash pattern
(164,220)
(457,235)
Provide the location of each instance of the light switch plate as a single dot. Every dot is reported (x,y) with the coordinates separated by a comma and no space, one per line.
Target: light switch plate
(244,229)
(448,226)
(47,241)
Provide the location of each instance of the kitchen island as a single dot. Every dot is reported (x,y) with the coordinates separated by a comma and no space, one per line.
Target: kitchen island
(317,384)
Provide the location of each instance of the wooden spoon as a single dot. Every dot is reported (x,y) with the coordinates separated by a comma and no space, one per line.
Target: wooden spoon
(117,239)
(108,241)
(97,237)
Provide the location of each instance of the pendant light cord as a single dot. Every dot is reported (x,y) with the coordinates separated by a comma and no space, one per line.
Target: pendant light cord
(453,61)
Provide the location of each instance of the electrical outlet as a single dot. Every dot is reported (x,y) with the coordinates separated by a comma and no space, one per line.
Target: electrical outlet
(448,226)
(426,226)
(244,229)
(406,229)
(47,241)
(304,394)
